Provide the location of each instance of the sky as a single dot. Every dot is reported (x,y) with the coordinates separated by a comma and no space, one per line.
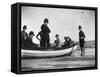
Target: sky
(64,22)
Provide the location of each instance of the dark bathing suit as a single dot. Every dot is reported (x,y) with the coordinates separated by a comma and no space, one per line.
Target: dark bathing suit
(46,37)
(81,40)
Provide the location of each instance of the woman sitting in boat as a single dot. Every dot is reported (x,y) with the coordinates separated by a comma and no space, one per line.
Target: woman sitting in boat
(57,42)
(29,42)
(67,42)
(24,35)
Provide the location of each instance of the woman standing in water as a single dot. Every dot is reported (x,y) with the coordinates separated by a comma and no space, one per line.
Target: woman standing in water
(45,30)
(81,40)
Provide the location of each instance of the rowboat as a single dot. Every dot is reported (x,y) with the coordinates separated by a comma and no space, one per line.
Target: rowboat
(46,53)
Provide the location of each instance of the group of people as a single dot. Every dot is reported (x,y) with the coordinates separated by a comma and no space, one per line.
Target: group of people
(26,39)
(44,36)
(67,42)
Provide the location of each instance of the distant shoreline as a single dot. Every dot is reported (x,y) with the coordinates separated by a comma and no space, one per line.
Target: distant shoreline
(88,44)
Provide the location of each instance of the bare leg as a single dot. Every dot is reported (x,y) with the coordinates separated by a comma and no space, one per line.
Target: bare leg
(48,43)
(81,52)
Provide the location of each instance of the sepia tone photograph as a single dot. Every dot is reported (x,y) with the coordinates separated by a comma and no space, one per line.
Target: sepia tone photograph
(57,38)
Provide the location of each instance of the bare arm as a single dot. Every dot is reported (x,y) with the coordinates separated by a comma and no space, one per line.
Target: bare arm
(37,36)
(83,35)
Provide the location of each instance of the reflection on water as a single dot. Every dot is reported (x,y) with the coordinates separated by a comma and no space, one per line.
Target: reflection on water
(73,61)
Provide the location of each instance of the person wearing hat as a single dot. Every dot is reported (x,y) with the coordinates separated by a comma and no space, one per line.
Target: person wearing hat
(81,40)
(24,35)
(29,42)
(45,30)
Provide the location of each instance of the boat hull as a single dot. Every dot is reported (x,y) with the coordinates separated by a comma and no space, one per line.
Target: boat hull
(47,54)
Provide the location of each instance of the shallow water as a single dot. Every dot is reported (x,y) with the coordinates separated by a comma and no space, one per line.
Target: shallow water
(73,61)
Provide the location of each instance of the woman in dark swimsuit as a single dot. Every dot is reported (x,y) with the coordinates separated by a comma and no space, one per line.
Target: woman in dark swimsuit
(81,40)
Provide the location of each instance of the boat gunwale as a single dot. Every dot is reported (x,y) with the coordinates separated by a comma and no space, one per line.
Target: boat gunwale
(50,56)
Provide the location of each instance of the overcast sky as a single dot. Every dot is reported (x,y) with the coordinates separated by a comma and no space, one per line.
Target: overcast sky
(61,21)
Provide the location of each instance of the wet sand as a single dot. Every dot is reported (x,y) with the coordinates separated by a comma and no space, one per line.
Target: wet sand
(73,61)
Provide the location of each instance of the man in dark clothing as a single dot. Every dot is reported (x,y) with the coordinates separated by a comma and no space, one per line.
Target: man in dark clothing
(24,35)
(46,32)
(81,40)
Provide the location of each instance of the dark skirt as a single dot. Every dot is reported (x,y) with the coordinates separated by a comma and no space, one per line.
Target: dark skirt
(81,42)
